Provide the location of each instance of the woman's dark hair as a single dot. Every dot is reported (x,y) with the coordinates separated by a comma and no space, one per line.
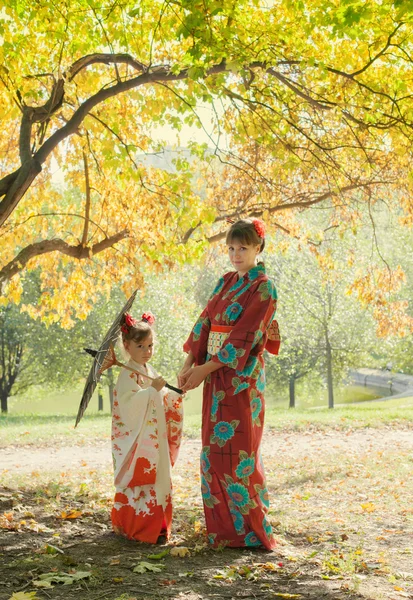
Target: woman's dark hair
(136,331)
(244,232)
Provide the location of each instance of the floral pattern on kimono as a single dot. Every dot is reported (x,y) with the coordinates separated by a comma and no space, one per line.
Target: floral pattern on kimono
(146,435)
(233,482)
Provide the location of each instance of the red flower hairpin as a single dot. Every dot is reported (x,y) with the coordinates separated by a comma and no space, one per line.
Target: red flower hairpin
(149,318)
(259,227)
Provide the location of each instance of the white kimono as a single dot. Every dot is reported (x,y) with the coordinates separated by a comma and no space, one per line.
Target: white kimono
(146,435)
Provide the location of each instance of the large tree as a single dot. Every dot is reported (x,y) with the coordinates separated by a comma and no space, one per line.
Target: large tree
(311,104)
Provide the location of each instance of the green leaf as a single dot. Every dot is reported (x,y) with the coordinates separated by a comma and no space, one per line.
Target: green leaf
(158,556)
(143,567)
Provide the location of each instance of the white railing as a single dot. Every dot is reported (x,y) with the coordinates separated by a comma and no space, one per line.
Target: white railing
(395,383)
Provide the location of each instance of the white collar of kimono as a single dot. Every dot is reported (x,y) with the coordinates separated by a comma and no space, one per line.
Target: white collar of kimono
(140,368)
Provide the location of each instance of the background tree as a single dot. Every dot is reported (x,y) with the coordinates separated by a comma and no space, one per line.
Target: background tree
(324,328)
(310,106)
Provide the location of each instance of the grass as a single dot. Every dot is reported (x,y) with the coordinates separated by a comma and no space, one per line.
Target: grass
(25,429)
(398,411)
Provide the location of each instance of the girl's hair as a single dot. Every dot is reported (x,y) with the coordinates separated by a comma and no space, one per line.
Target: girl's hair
(245,232)
(133,330)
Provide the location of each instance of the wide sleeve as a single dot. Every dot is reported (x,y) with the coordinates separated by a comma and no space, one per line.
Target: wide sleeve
(174,421)
(250,328)
(132,400)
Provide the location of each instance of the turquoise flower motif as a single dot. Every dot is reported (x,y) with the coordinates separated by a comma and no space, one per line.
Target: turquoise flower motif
(261,381)
(274,295)
(245,468)
(256,406)
(205,490)
(257,337)
(224,431)
(205,464)
(238,521)
(214,407)
(218,287)
(241,386)
(236,286)
(198,327)
(267,526)
(216,399)
(227,354)
(233,311)
(238,494)
(249,367)
(263,494)
(255,272)
(211,537)
(252,540)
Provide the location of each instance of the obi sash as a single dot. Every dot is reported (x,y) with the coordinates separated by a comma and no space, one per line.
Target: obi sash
(216,338)
(219,333)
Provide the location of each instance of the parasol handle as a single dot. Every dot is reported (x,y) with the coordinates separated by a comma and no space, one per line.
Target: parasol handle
(133,370)
(174,389)
(170,387)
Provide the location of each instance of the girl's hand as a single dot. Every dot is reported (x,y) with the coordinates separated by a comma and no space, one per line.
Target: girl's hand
(193,378)
(158,383)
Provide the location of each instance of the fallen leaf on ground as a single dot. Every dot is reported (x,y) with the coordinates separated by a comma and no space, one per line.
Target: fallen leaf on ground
(47,579)
(70,514)
(159,555)
(143,566)
(180,551)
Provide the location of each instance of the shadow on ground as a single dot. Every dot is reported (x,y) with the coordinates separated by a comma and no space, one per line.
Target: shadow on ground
(40,541)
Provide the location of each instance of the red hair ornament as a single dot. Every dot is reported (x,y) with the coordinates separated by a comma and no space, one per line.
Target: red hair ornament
(129,322)
(149,318)
(259,227)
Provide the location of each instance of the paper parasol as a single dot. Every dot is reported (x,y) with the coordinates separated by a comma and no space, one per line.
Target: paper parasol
(101,358)
(95,372)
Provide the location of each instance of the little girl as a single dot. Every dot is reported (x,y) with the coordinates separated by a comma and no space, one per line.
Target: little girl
(146,435)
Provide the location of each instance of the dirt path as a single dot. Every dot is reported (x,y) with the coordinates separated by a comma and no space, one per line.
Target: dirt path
(340,507)
(98,455)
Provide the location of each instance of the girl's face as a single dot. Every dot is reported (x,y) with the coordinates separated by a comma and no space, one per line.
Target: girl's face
(242,256)
(141,352)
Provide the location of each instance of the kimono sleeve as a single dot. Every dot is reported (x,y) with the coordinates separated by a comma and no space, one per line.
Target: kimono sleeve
(250,327)
(132,399)
(197,341)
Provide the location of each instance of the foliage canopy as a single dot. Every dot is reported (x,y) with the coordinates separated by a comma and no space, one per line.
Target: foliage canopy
(311,106)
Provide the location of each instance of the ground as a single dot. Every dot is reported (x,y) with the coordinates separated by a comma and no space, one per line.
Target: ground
(341,507)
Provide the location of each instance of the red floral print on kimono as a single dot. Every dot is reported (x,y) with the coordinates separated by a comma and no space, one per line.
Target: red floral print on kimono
(146,435)
(233,330)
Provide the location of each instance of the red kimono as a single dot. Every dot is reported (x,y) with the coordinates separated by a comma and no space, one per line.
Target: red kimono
(233,330)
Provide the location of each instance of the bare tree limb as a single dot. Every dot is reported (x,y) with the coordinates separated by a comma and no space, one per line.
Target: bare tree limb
(79,252)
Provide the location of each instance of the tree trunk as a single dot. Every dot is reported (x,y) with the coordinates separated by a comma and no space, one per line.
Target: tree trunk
(4,407)
(100,399)
(329,361)
(292,391)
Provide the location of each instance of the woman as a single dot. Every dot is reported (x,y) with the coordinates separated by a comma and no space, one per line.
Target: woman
(226,346)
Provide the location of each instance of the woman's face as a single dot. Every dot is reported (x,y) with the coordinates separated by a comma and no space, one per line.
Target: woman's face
(141,352)
(242,256)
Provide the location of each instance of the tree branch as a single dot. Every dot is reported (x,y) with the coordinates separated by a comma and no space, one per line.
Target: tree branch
(87,206)
(56,245)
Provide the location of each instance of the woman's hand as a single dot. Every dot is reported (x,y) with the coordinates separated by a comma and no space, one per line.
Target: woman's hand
(158,383)
(193,378)
(182,375)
